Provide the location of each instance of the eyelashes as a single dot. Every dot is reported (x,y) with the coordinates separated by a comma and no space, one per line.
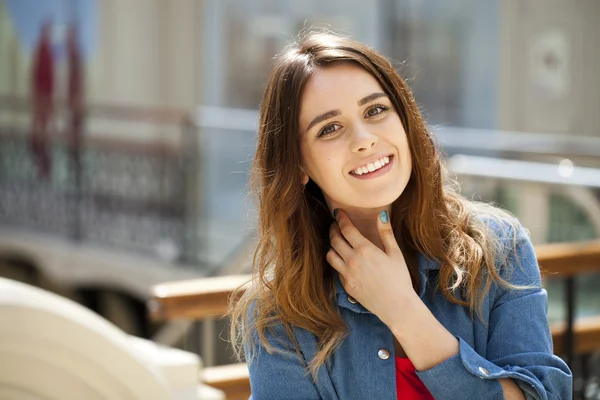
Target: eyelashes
(373,111)
(328,130)
(383,108)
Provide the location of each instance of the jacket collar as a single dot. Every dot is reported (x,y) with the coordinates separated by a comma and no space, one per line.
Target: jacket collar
(425,265)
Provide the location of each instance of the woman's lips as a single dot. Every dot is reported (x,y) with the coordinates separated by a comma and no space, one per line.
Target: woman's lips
(381,171)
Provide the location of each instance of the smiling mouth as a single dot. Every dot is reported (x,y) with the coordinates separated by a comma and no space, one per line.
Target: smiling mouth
(373,167)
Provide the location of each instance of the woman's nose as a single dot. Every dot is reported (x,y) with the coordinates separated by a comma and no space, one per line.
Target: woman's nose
(363,140)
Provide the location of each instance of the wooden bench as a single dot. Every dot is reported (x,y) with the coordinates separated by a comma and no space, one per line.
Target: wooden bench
(208,297)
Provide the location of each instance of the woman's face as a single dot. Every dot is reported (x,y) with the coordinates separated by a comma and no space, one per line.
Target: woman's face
(352,142)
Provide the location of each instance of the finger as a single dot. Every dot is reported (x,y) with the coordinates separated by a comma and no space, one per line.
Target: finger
(386,233)
(348,230)
(334,259)
(338,242)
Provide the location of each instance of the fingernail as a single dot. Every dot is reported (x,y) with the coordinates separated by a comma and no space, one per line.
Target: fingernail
(383,216)
(335,212)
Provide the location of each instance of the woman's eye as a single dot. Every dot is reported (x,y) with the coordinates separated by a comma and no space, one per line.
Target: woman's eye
(376,110)
(328,130)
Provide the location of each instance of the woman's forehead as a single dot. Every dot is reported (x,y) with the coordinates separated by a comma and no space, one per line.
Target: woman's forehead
(340,75)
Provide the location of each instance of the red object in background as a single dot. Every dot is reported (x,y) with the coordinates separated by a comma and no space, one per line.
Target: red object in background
(44,66)
(408,384)
(42,97)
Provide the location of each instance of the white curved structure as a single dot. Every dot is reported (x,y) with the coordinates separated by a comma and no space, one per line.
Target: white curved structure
(54,349)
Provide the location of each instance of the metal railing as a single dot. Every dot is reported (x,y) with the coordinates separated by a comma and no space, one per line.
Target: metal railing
(124,187)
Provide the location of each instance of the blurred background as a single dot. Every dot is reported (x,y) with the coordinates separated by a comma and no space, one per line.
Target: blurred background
(127,130)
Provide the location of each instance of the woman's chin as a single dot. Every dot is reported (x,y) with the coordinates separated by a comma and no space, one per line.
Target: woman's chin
(376,200)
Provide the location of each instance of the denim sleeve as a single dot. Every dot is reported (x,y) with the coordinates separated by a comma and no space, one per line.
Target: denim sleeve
(519,343)
(280,374)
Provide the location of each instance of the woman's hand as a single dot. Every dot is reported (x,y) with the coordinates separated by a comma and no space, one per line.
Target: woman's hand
(378,280)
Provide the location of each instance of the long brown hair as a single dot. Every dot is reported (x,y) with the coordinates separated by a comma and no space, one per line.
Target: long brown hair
(292,284)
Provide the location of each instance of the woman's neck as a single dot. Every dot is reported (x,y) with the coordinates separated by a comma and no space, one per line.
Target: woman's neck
(365,220)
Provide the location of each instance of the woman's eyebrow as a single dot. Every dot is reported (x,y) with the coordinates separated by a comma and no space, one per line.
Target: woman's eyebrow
(323,117)
(370,97)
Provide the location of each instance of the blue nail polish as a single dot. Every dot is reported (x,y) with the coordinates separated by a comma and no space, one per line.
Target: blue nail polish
(383,216)
(335,212)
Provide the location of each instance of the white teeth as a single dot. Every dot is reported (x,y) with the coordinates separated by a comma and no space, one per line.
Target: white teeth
(372,166)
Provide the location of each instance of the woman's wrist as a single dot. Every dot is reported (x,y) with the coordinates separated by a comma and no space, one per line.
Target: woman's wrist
(424,339)
(406,304)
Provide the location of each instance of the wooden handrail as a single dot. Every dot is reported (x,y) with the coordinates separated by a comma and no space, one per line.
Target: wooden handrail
(587,334)
(208,297)
(194,299)
(562,260)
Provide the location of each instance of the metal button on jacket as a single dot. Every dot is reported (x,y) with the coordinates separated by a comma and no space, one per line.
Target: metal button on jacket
(352,300)
(384,354)
(484,371)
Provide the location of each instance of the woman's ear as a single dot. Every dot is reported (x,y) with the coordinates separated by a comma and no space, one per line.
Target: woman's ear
(305,179)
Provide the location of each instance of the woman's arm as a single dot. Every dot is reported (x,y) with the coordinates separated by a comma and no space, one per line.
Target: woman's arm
(428,343)
(511,390)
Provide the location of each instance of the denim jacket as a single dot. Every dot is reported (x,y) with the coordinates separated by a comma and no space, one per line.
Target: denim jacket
(513,341)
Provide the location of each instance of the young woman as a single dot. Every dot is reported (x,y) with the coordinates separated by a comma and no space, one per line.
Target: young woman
(373,278)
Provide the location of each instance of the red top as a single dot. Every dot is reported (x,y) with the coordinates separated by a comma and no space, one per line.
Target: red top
(408,384)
